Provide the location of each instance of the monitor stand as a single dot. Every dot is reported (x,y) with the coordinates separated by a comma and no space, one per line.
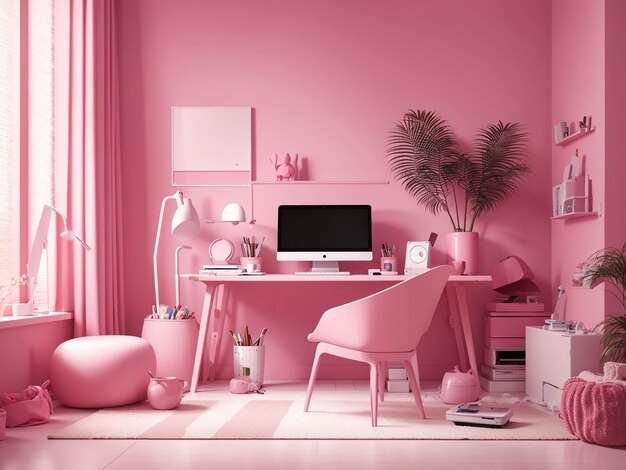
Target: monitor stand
(324,266)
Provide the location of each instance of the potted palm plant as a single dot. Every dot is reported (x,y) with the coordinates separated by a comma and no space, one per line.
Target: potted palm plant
(609,265)
(425,158)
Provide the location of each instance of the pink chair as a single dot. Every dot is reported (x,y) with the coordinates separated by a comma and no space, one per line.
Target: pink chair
(386,326)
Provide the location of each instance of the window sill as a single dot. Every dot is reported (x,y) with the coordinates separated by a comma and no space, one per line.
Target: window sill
(16,322)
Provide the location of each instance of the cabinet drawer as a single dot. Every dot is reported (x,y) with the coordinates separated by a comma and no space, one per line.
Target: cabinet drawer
(510,327)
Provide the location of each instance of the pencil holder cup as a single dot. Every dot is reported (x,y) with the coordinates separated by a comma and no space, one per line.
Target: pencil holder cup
(251,264)
(249,363)
(388,265)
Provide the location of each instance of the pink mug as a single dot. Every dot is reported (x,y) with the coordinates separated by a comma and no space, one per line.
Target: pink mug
(165,393)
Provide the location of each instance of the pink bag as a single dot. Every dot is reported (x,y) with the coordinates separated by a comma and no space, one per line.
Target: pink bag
(28,407)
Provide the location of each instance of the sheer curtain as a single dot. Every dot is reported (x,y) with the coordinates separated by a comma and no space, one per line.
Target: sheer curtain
(87,106)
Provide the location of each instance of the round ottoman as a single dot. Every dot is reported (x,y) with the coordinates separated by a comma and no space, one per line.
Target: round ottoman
(595,412)
(102,371)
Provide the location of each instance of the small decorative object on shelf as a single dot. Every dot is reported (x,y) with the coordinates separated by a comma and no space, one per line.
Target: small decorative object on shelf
(287,170)
(564,133)
(571,196)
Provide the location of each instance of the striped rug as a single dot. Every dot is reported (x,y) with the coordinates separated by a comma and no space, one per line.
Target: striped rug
(262,418)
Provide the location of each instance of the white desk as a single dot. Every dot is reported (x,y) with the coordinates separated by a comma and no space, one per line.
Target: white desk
(217,290)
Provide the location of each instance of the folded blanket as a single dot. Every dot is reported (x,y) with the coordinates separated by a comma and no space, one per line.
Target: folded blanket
(614,372)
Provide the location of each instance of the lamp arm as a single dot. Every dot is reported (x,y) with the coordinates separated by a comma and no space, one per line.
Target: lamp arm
(156,251)
(177,271)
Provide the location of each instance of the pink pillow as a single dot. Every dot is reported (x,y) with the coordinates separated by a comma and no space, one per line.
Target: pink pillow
(595,412)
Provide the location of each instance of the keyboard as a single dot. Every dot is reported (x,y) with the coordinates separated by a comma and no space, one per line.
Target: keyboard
(322,273)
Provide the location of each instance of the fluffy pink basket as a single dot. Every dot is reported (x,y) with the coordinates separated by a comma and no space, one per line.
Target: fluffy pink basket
(595,412)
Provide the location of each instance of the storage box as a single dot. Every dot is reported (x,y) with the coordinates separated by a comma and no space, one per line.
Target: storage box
(510,327)
(515,307)
(500,386)
(502,374)
(396,373)
(510,343)
(398,386)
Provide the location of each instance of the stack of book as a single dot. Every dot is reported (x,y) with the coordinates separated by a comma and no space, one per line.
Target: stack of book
(221,269)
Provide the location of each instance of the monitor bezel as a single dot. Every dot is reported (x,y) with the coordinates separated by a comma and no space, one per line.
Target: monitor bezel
(324,255)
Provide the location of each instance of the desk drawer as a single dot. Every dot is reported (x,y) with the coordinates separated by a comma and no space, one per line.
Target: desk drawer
(510,327)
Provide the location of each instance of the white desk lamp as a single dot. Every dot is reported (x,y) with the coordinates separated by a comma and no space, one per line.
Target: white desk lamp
(40,242)
(186,226)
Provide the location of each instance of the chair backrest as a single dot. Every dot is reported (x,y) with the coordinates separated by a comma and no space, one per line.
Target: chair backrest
(392,320)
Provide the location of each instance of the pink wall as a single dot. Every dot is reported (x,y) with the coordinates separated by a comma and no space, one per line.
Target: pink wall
(578,88)
(26,352)
(327,80)
(588,74)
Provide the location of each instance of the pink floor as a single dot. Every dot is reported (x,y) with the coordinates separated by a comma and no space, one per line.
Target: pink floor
(28,448)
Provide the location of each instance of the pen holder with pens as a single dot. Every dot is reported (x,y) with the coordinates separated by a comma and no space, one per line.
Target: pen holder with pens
(249,363)
(388,265)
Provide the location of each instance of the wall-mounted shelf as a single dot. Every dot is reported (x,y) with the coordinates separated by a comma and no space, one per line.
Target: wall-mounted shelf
(320,182)
(576,215)
(575,136)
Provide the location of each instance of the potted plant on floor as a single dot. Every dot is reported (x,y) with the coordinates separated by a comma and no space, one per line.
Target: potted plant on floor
(609,265)
(425,158)
(594,407)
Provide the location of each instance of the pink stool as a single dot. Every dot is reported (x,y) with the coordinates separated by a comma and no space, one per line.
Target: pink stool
(102,371)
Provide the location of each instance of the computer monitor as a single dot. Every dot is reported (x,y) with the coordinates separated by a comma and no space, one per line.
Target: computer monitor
(324,234)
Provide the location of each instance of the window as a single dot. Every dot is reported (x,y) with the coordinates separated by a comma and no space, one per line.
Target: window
(26,159)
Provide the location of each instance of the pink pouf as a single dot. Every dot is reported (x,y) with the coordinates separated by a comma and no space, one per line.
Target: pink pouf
(102,371)
(595,411)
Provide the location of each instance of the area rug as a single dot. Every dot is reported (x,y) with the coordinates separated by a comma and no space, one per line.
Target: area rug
(262,418)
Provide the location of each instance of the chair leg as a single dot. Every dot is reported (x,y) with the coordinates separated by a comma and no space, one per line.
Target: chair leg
(374,392)
(382,373)
(414,381)
(314,369)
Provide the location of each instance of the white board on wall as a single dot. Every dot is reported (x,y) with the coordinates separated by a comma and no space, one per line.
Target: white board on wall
(211,139)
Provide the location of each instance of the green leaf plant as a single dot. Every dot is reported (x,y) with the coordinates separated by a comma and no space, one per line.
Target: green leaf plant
(609,265)
(425,158)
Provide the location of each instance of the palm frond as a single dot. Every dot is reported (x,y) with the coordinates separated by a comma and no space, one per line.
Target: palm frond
(608,265)
(499,166)
(613,338)
(419,148)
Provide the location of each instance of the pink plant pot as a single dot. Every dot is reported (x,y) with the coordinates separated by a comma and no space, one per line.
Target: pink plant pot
(463,246)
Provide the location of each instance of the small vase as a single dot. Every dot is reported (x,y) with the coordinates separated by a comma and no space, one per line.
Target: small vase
(463,246)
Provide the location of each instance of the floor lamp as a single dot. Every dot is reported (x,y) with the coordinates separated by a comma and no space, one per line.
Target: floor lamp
(40,242)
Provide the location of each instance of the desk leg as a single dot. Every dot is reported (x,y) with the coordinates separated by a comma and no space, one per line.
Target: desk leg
(467,327)
(217,332)
(455,322)
(202,332)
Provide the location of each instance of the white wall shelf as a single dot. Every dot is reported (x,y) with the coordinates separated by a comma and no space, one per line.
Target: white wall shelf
(575,136)
(575,215)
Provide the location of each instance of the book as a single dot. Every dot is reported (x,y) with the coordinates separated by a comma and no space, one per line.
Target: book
(221,266)
(222,272)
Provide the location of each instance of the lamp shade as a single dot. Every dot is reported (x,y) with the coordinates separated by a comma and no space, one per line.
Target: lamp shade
(233,213)
(185,223)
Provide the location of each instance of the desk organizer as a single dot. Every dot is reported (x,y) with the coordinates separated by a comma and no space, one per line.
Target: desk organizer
(249,363)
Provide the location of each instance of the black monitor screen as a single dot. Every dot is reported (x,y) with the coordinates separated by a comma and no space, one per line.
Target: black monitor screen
(331,228)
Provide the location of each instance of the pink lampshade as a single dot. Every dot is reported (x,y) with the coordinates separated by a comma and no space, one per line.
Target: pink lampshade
(185,222)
